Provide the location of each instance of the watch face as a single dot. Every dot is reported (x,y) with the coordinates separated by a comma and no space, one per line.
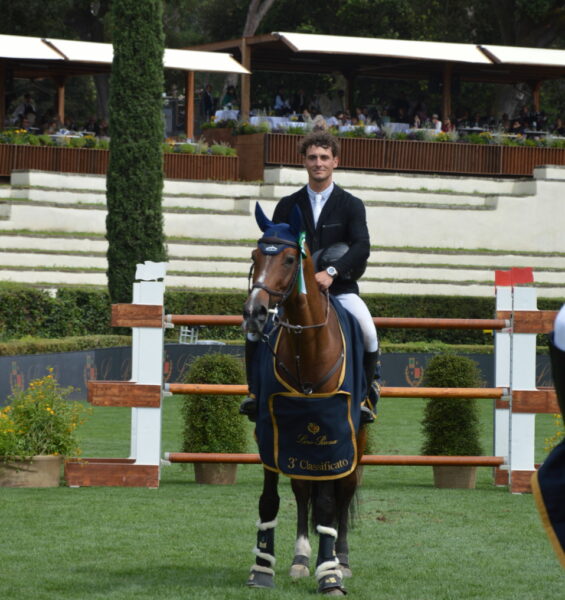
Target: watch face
(331,271)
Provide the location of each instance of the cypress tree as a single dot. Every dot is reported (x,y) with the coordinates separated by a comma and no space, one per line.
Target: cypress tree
(134,224)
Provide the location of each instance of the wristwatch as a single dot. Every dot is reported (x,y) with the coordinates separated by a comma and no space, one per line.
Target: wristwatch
(331,271)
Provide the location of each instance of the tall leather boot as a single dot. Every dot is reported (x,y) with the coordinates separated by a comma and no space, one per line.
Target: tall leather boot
(372,369)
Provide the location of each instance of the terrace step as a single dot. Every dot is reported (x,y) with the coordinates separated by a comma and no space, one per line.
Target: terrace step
(211,233)
(225,266)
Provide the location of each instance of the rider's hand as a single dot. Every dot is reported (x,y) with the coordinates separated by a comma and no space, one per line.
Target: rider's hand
(324,280)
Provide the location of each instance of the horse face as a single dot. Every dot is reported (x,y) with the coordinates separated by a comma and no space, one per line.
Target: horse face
(273,279)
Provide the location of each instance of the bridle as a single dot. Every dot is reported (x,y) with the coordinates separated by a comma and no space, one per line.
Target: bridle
(305,388)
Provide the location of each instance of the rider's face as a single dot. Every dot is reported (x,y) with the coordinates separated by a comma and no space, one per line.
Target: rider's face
(320,164)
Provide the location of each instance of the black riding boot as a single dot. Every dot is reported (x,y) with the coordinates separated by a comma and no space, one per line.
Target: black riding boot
(372,369)
(249,406)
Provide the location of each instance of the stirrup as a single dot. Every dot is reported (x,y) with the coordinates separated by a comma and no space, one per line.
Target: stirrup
(367,415)
(249,408)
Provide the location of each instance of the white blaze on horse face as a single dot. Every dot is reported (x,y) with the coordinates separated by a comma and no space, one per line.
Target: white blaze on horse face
(302,547)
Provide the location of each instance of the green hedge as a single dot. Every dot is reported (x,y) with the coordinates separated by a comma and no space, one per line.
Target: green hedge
(26,311)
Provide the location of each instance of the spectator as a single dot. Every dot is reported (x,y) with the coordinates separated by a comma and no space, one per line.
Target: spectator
(447,126)
(299,102)
(436,123)
(207,103)
(517,127)
(360,115)
(281,104)
(229,98)
(558,128)
(90,125)
(476,121)
(103,129)
(24,109)
(305,116)
(70,124)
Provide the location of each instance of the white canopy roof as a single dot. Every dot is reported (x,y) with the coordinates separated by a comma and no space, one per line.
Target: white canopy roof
(441,51)
(22,47)
(27,48)
(526,56)
(334,44)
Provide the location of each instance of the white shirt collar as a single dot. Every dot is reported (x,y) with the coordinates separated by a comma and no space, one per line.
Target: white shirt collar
(325,193)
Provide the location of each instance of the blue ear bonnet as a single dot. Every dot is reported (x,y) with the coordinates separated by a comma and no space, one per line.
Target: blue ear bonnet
(276,234)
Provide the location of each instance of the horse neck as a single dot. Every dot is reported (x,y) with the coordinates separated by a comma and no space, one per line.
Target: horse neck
(309,308)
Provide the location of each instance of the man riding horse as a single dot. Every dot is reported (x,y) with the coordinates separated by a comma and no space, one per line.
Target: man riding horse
(338,237)
(307,367)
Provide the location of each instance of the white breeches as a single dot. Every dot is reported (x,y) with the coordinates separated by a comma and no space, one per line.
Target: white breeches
(358,308)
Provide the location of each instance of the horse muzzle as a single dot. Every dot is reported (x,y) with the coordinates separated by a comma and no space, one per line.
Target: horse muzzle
(254,317)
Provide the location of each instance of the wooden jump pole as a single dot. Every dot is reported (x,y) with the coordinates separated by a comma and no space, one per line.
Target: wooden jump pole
(386,392)
(370,459)
(382,322)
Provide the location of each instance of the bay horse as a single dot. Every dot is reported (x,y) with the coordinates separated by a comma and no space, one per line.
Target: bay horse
(305,349)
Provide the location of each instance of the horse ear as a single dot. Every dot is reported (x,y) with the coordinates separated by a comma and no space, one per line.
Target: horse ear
(261,218)
(296,222)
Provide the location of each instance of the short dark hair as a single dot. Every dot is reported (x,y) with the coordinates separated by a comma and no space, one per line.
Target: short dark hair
(323,139)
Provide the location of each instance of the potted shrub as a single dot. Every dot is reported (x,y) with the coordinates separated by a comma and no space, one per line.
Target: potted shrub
(37,430)
(212,423)
(451,425)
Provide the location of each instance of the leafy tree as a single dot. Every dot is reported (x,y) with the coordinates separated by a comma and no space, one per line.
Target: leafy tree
(134,223)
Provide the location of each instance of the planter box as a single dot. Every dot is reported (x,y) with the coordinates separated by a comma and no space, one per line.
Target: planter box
(52,158)
(251,154)
(83,160)
(218,135)
(39,471)
(201,167)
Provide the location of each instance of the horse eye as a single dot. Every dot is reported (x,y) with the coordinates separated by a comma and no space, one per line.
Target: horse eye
(289,260)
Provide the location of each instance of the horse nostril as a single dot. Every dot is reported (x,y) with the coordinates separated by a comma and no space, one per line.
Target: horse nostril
(262,313)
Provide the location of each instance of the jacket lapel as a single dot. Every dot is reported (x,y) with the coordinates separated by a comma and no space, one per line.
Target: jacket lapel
(331,203)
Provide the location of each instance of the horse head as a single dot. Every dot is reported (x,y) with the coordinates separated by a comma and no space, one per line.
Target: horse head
(275,268)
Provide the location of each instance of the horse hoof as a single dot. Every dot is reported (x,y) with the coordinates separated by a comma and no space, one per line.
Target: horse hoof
(330,585)
(298,571)
(345,570)
(259,579)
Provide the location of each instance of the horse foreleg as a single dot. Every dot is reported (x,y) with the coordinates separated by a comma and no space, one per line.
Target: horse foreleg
(302,550)
(262,573)
(328,573)
(345,491)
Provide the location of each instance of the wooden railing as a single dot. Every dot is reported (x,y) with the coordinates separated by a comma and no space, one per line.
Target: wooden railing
(282,149)
(423,157)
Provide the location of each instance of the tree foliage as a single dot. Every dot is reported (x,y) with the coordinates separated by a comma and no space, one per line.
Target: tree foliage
(134,225)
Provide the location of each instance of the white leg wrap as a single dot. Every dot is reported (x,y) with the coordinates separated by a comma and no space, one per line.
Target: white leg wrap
(302,547)
(327,530)
(268,525)
(330,567)
(268,557)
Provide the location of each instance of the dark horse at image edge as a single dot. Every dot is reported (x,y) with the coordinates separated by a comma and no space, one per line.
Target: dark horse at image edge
(308,396)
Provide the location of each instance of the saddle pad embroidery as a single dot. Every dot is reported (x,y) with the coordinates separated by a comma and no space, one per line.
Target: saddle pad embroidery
(311,437)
